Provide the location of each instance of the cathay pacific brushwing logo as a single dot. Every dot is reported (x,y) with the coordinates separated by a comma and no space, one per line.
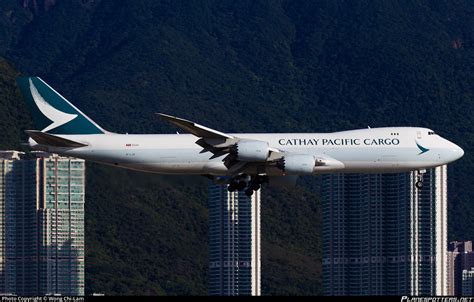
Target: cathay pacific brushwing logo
(57,117)
(422,149)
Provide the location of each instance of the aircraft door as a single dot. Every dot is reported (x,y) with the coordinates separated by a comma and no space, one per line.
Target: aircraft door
(418,134)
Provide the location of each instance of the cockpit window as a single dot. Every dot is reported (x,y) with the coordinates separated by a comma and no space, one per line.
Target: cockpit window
(431,133)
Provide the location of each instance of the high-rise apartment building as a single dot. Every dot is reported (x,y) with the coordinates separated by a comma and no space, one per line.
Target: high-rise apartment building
(383,236)
(234,242)
(41,224)
(467,282)
(460,259)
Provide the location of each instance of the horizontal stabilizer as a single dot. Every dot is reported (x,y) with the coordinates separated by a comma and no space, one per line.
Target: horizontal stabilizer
(52,140)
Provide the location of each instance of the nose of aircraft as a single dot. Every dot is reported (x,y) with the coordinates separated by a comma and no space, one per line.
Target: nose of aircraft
(456,152)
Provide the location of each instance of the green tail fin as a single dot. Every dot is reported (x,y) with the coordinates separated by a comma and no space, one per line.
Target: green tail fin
(52,113)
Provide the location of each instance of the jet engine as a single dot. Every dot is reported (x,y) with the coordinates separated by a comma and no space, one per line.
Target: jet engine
(297,164)
(251,151)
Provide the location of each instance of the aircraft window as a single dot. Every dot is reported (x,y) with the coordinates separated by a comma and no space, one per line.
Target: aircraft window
(431,133)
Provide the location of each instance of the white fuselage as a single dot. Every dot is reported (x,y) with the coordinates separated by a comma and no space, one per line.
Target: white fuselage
(376,150)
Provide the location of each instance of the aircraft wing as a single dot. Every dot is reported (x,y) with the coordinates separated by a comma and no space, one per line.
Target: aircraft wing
(216,142)
(210,140)
(193,128)
(220,144)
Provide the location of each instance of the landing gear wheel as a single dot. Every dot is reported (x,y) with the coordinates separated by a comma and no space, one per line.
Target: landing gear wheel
(249,192)
(419,184)
(241,185)
(232,187)
(255,186)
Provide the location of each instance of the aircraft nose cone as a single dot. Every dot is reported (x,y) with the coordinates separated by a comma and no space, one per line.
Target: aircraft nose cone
(458,152)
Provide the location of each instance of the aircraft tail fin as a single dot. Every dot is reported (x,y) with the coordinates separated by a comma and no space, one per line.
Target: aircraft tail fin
(52,113)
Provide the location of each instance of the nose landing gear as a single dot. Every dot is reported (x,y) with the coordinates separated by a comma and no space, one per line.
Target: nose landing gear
(419,184)
(419,179)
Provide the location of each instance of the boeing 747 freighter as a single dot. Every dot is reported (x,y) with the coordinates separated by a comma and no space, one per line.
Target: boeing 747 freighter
(244,160)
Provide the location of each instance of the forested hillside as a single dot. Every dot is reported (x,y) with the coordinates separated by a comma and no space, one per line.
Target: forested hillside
(289,66)
(14,116)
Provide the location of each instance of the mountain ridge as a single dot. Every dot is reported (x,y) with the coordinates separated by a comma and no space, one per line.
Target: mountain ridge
(247,66)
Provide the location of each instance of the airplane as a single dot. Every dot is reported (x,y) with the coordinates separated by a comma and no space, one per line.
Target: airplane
(244,161)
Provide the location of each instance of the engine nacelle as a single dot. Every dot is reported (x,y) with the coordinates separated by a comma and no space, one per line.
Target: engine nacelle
(251,151)
(297,164)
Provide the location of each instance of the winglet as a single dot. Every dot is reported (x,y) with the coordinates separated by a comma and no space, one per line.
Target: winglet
(43,138)
(193,128)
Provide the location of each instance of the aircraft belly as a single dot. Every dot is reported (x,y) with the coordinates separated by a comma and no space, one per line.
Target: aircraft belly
(158,161)
(168,168)
(385,167)
(176,161)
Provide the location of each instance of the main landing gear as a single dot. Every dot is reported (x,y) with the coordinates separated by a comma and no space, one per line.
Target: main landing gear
(419,179)
(247,183)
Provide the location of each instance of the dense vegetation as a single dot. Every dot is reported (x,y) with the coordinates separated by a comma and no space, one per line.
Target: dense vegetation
(249,65)
(14,116)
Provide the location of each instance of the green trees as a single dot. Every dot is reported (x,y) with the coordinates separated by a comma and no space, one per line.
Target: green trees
(14,117)
(251,66)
